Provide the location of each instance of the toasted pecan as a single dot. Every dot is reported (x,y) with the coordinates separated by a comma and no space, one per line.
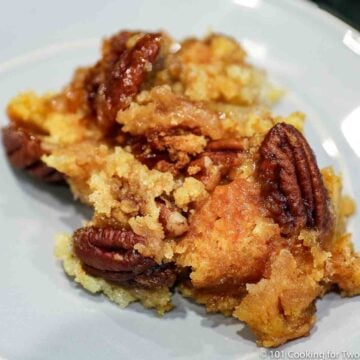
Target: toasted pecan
(24,151)
(154,277)
(114,81)
(292,185)
(109,253)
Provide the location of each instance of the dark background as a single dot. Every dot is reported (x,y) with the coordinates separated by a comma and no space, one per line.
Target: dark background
(347,10)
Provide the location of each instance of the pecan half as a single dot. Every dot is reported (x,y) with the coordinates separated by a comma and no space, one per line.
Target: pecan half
(292,185)
(119,80)
(24,152)
(109,253)
(112,49)
(154,277)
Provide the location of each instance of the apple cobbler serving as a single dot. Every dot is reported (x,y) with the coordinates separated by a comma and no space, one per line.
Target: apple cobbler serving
(193,182)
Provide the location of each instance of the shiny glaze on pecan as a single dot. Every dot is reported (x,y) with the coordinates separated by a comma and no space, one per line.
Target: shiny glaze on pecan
(109,253)
(24,152)
(113,82)
(155,277)
(292,185)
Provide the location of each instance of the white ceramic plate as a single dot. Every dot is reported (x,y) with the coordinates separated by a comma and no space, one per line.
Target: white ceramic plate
(44,315)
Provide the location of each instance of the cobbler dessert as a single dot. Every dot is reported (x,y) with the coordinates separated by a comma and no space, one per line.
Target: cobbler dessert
(193,182)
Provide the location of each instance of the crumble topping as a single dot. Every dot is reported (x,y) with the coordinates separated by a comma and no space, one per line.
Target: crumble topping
(193,183)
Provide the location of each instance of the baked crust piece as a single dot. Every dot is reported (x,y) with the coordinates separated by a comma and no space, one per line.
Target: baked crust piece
(193,183)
